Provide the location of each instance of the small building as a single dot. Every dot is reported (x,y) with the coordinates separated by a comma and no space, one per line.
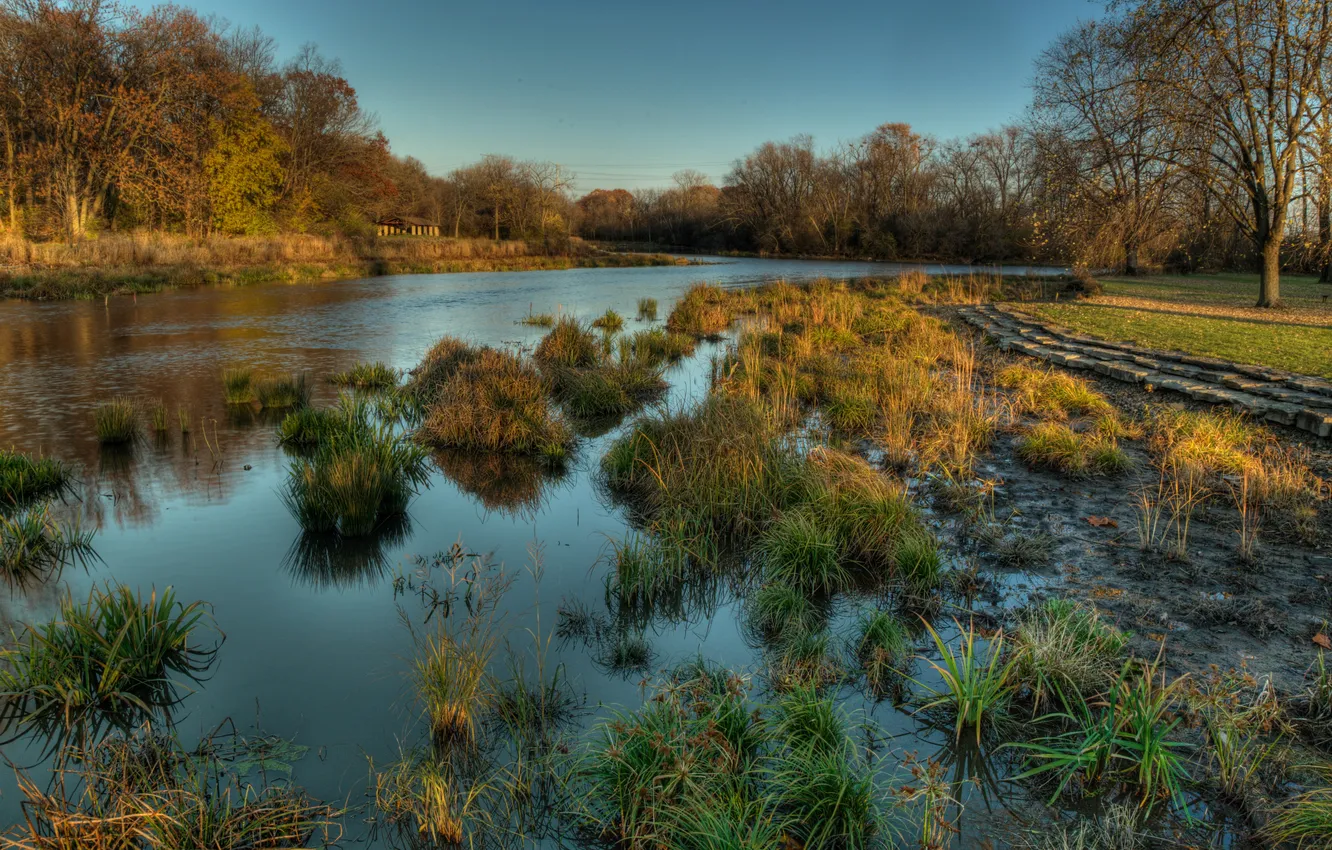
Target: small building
(406,225)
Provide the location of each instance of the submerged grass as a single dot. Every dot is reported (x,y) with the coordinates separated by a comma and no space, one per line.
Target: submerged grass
(377,376)
(237,384)
(107,661)
(280,391)
(35,547)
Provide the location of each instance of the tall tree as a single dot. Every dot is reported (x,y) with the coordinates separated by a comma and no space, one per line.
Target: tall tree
(1241,80)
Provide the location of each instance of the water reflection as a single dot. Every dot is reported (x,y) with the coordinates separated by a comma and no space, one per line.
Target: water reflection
(328,560)
(516,485)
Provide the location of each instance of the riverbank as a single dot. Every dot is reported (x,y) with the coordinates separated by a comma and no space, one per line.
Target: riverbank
(125,265)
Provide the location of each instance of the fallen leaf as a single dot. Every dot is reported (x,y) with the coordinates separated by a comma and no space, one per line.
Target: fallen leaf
(1102,522)
(1322,640)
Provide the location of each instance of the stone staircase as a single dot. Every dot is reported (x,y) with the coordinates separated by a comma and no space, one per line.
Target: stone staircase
(1267,394)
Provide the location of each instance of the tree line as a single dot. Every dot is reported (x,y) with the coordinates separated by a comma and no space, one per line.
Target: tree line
(1175,133)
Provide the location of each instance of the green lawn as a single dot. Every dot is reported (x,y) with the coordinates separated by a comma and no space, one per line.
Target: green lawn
(1298,348)
(1237,289)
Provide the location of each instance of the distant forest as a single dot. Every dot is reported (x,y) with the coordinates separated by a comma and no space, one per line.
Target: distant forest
(1177,133)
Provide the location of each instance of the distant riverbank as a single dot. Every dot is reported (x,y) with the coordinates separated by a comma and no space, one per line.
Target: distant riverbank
(123,265)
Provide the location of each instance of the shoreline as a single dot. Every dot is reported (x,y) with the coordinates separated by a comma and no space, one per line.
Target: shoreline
(85,283)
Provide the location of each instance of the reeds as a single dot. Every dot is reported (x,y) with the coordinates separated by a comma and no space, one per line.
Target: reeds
(281,391)
(35,547)
(360,474)
(24,478)
(116,422)
(370,377)
(108,661)
(237,384)
(146,789)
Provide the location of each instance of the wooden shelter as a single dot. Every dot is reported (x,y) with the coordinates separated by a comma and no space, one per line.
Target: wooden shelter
(407,226)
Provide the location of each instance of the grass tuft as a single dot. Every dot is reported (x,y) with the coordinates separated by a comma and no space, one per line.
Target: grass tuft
(116,422)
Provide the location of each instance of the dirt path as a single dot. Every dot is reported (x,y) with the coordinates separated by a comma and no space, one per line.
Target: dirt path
(1267,394)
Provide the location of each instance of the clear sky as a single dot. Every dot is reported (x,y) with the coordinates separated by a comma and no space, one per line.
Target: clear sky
(627,93)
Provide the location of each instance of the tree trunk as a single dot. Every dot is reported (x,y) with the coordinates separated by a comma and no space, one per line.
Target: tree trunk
(1269,280)
(1325,235)
(496,222)
(1131,258)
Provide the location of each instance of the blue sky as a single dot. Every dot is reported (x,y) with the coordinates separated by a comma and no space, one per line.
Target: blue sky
(625,94)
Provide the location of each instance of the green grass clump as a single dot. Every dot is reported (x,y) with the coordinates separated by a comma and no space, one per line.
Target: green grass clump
(918,562)
(110,660)
(629,652)
(1056,446)
(611,322)
(1048,393)
(440,363)
(238,384)
(779,612)
(537,320)
(496,402)
(656,346)
(24,478)
(1304,821)
(35,547)
(158,418)
(355,481)
(608,390)
(644,567)
(799,551)
(276,392)
(851,406)
(569,345)
(368,376)
(977,684)
(704,312)
(1065,653)
(1211,442)
(116,422)
(1127,737)
(308,427)
(883,647)
(703,768)
(647,309)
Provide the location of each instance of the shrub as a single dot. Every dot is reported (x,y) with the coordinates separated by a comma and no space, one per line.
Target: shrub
(116,422)
(107,661)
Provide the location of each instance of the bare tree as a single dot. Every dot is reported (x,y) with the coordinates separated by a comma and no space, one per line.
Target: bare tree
(1240,80)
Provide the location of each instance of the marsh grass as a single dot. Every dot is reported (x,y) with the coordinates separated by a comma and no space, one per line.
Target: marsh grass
(699,766)
(359,474)
(35,547)
(800,552)
(537,320)
(237,384)
(647,309)
(568,345)
(883,648)
(1051,394)
(110,661)
(1127,737)
(116,422)
(610,322)
(158,417)
(495,401)
(281,391)
(183,418)
(704,312)
(372,377)
(1053,445)
(24,478)
(1303,821)
(1065,653)
(146,789)
(977,684)
(779,613)
(655,346)
(433,373)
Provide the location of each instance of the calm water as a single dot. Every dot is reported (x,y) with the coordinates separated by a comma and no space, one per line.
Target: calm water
(313,652)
